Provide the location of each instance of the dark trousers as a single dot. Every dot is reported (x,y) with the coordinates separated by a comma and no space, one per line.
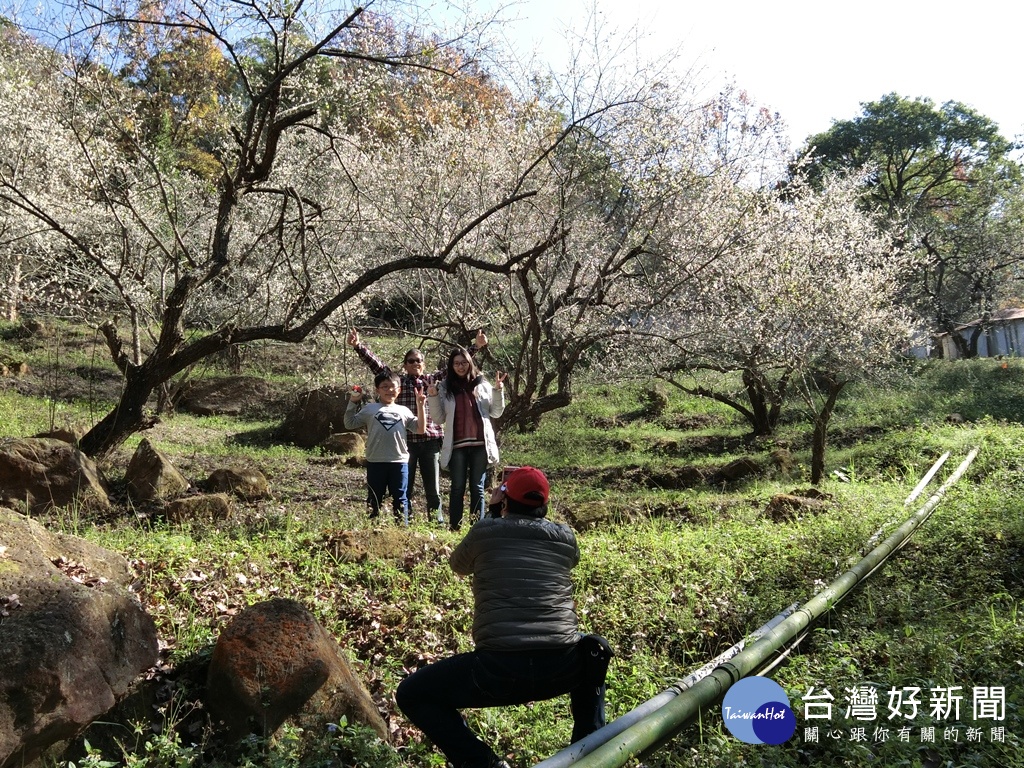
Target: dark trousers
(432,696)
(467,466)
(388,477)
(425,455)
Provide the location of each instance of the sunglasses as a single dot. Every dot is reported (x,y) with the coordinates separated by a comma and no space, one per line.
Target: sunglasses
(411,360)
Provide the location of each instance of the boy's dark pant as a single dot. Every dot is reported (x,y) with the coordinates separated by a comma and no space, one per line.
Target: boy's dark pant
(432,697)
(382,477)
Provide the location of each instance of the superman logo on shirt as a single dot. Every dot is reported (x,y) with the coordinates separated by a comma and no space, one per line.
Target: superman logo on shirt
(387,420)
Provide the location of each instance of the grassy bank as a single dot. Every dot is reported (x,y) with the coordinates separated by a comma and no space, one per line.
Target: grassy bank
(672,576)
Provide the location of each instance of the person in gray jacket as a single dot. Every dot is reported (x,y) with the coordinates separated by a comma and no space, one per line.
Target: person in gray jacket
(528,646)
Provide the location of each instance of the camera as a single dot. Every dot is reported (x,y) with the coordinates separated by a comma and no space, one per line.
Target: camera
(494,510)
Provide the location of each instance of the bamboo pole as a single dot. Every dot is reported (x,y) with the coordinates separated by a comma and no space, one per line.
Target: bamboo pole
(665,715)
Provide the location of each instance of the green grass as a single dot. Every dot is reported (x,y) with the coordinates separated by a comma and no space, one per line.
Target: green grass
(671,577)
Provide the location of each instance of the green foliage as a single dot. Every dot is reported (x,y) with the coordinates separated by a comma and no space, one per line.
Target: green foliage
(93,759)
(671,576)
(947,181)
(919,153)
(340,744)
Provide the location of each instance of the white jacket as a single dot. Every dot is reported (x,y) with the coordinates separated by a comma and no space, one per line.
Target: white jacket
(489,401)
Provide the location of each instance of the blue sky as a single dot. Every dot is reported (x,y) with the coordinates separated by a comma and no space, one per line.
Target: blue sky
(813,62)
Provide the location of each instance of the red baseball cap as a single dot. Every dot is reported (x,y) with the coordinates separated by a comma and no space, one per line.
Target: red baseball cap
(528,486)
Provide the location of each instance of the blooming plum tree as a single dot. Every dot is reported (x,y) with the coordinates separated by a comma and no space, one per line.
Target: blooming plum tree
(806,291)
(951,183)
(304,217)
(620,199)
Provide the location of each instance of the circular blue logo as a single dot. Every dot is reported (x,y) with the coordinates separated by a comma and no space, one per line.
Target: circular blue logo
(756,710)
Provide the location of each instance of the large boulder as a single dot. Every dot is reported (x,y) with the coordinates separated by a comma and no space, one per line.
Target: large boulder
(247,483)
(43,472)
(316,414)
(204,507)
(275,661)
(72,638)
(227,396)
(152,477)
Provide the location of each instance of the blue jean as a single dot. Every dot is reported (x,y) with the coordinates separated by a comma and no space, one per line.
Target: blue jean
(467,464)
(383,477)
(432,696)
(426,456)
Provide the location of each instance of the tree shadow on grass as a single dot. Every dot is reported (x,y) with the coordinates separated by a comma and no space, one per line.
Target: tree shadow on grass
(264,436)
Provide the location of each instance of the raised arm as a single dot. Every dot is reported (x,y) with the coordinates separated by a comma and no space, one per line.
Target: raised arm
(437,408)
(352,419)
(421,410)
(478,343)
(373,362)
(498,395)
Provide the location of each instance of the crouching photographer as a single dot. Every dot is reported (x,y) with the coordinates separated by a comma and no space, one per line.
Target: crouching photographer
(528,646)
